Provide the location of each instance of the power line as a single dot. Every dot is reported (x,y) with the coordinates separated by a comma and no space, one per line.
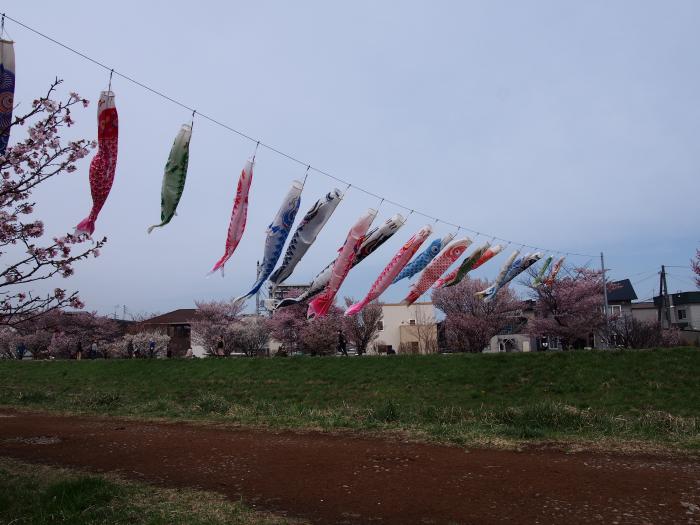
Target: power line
(646,278)
(274,149)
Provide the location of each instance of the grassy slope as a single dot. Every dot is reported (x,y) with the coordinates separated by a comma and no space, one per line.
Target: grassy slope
(37,495)
(647,395)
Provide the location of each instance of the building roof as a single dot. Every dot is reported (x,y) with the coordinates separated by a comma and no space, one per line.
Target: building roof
(641,305)
(681,298)
(423,303)
(180,316)
(620,291)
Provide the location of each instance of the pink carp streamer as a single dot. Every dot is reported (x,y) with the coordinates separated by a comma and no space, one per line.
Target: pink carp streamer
(341,267)
(553,273)
(238,216)
(436,268)
(399,261)
(104,163)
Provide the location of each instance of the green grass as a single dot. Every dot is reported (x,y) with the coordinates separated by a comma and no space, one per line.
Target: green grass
(38,495)
(651,396)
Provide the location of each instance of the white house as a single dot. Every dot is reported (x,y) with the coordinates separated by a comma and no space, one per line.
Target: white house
(408,329)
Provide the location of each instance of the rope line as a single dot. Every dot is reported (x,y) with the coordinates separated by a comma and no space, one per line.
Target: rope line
(269,147)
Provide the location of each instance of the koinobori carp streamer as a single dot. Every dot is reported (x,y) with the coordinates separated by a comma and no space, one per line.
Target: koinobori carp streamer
(540,275)
(276,236)
(305,234)
(465,266)
(371,242)
(422,259)
(491,290)
(392,269)
(517,267)
(174,176)
(553,273)
(436,268)
(239,215)
(472,263)
(104,163)
(7,90)
(319,306)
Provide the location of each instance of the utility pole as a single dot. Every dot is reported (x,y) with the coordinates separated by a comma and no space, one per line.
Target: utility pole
(257,294)
(663,299)
(605,301)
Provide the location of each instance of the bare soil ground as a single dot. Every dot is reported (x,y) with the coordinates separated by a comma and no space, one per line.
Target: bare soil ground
(355,479)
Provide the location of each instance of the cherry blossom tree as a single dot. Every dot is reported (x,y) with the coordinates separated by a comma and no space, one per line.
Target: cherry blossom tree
(57,333)
(629,332)
(71,328)
(141,343)
(570,308)
(26,254)
(363,328)
(320,335)
(252,335)
(286,325)
(216,321)
(470,323)
(695,266)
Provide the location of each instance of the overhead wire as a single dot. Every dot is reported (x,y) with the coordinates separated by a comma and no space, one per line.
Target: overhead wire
(271,148)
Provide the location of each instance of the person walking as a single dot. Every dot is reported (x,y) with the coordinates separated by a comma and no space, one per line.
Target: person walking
(220,347)
(151,348)
(79,351)
(342,343)
(130,349)
(93,350)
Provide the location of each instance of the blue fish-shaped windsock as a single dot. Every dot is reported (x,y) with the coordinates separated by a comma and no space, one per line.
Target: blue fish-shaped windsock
(421,260)
(277,234)
(305,234)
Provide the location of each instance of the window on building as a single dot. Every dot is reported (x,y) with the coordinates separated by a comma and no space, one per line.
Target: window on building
(682,314)
(614,309)
(412,322)
(380,325)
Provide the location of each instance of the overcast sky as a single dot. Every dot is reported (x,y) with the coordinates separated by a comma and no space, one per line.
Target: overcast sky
(570,125)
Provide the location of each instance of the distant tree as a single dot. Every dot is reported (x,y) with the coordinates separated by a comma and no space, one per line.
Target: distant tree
(216,321)
(10,340)
(141,342)
(629,332)
(143,316)
(26,256)
(571,308)
(695,266)
(320,335)
(426,332)
(470,323)
(286,326)
(317,336)
(70,328)
(363,328)
(252,335)
(57,333)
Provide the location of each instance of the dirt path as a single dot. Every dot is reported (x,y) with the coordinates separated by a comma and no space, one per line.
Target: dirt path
(337,479)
